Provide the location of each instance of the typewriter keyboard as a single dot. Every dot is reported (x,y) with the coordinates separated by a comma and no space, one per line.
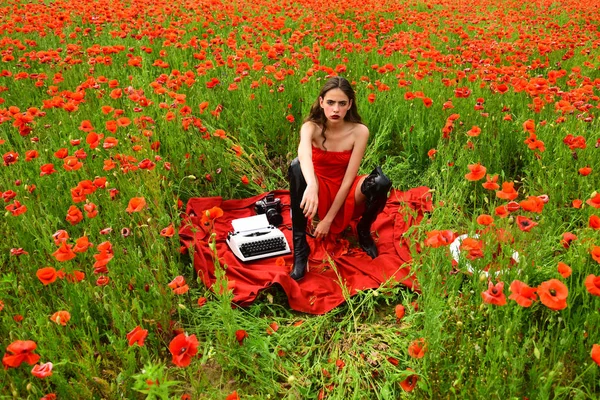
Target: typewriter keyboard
(272,245)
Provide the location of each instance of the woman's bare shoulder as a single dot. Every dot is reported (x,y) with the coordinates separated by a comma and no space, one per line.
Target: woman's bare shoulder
(360,131)
(310,128)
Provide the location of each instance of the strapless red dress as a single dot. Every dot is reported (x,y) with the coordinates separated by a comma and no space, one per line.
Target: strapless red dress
(330,168)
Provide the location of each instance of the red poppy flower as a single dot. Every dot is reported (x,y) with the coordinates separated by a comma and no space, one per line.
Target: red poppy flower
(110,142)
(508,191)
(522,293)
(485,220)
(595,252)
(74,215)
(169,231)
(532,204)
(86,126)
(491,182)
(42,370)
(473,247)
(501,211)
(47,275)
(410,382)
(568,237)
(585,171)
(75,276)
(137,335)
(47,169)
(136,204)
(477,172)
(61,153)
(272,328)
(208,217)
(202,301)
(525,224)
(417,348)
(183,348)
(72,163)
(16,208)
(8,195)
(10,158)
(594,201)
(240,335)
(15,252)
(592,284)
(564,269)
(18,352)
(474,131)
(31,154)
(576,203)
(81,245)
(495,294)
(90,210)
(431,153)
(513,206)
(64,253)
(553,294)
(595,354)
(178,285)
(102,280)
(439,238)
(93,139)
(233,396)
(594,222)
(529,126)
(61,317)
(400,311)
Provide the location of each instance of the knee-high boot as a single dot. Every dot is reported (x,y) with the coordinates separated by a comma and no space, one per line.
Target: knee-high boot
(299,221)
(375,187)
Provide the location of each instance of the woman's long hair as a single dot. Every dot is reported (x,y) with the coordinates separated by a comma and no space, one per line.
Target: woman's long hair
(317,115)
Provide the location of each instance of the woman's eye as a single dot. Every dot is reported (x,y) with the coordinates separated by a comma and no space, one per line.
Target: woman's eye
(343,103)
(330,103)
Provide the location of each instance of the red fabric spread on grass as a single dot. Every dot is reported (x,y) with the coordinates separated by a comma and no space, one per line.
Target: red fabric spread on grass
(330,168)
(333,262)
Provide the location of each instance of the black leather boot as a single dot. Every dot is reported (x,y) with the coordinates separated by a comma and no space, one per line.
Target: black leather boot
(375,187)
(299,221)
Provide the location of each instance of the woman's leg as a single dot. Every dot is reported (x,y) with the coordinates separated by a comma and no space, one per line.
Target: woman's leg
(299,221)
(373,191)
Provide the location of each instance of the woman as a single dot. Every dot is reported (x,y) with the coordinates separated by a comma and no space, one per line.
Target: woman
(323,179)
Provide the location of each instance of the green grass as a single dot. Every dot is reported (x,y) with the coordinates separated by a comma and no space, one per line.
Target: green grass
(358,350)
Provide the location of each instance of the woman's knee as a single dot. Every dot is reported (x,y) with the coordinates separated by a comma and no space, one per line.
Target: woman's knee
(294,167)
(376,183)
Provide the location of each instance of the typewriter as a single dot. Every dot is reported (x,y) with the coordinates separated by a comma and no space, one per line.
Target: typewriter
(254,238)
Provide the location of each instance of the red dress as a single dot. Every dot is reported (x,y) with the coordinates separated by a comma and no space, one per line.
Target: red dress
(330,168)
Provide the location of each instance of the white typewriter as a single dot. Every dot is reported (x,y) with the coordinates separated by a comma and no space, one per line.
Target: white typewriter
(254,238)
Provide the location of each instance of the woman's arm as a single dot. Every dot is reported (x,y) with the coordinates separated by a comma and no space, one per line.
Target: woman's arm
(310,198)
(360,145)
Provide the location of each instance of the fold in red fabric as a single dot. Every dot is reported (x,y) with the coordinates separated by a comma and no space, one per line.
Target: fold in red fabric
(336,267)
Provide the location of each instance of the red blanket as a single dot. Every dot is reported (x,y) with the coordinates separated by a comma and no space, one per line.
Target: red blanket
(335,265)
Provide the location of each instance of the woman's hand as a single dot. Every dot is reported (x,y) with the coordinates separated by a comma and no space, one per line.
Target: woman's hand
(310,201)
(322,229)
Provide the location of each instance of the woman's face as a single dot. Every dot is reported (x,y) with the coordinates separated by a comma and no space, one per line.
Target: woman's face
(335,105)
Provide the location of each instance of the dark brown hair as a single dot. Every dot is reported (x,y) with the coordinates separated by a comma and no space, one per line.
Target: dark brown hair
(317,115)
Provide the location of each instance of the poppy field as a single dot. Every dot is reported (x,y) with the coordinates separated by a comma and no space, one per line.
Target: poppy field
(114,113)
